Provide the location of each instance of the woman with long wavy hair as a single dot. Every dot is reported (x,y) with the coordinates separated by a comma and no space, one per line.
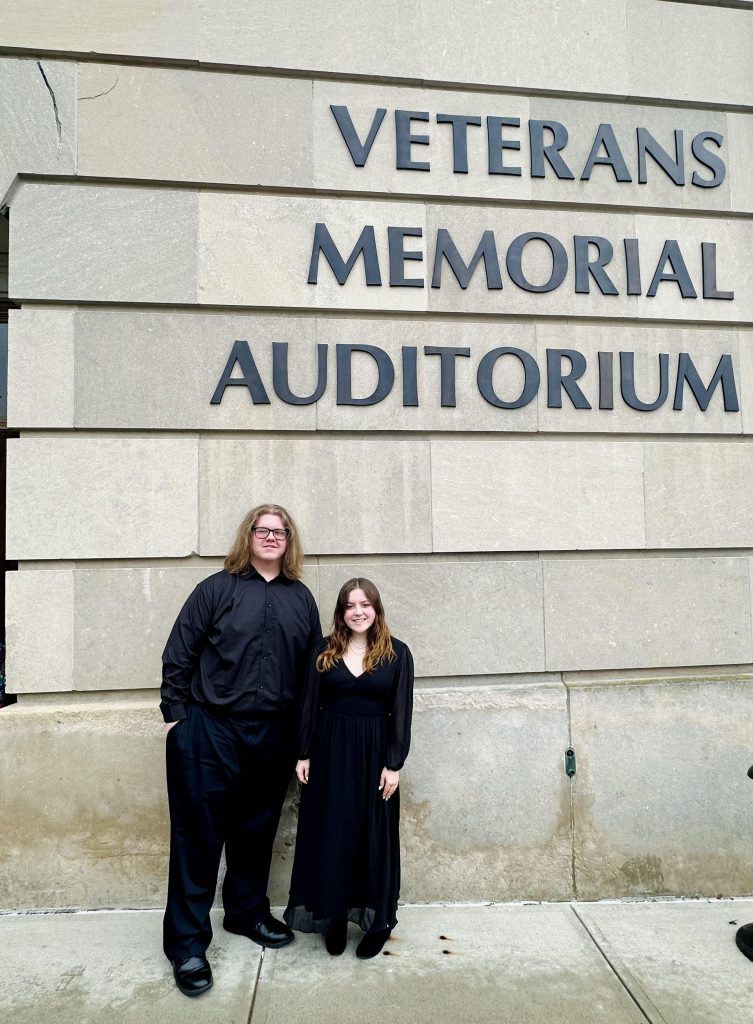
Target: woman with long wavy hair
(354,735)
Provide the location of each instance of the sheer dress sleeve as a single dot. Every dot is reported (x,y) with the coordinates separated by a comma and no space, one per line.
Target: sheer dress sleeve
(401,711)
(309,710)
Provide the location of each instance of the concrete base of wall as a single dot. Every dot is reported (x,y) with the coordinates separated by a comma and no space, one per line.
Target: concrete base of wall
(660,803)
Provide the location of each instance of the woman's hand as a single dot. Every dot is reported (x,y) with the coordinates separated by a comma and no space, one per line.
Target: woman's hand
(302,771)
(169,725)
(388,783)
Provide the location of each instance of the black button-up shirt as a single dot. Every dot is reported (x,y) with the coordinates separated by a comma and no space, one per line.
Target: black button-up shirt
(240,645)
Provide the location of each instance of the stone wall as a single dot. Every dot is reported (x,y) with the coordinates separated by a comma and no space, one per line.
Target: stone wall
(569,570)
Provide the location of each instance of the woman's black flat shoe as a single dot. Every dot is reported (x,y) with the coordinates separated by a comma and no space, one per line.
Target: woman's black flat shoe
(371,944)
(336,938)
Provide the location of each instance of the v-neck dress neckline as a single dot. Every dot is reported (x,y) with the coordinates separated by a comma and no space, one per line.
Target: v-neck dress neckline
(351,672)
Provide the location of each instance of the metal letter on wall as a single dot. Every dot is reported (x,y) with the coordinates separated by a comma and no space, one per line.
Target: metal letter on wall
(515,257)
(627,382)
(359,151)
(385,375)
(447,356)
(486,249)
(485,377)
(281,380)
(240,354)
(556,380)
(365,244)
(724,373)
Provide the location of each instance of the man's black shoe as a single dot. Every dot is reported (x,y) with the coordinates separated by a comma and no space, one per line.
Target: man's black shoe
(193,975)
(744,940)
(268,932)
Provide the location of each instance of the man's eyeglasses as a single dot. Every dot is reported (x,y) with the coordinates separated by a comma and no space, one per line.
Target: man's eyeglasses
(262,532)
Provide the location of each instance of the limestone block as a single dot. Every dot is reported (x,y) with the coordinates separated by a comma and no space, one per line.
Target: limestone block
(705,347)
(582,121)
(740,136)
(39,631)
(661,798)
(745,339)
(101,497)
(459,618)
(381,40)
(85,820)
(699,494)
(334,476)
(465,836)
(180,125)
(646,612)
(109,244)
(41,370)
(141,28)
(481,40)
(711,62)
(123,618)
(159,370)
(256,251)
(177,124)
(460,43)
(536,495)
(144,369)
(38,104)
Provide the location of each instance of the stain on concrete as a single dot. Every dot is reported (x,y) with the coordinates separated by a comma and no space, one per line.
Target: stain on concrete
(644,873)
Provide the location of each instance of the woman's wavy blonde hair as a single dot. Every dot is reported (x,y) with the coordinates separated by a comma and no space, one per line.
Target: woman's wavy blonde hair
(378,638)
(239,556)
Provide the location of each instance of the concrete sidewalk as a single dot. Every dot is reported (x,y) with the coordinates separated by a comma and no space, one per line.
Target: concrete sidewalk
(672,962)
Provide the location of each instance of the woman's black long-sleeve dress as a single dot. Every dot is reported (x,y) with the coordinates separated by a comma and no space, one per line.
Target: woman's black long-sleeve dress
(347,853)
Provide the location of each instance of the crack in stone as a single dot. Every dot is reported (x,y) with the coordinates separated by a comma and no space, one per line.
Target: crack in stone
(58,125)
(98,94)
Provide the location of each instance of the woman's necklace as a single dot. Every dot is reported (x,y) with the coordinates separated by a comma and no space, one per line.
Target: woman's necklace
(358,648)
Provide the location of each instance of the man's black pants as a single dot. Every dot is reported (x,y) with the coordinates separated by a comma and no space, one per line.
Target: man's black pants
(226,782)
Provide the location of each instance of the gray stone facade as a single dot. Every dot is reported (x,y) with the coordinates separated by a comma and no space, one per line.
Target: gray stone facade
(569,566)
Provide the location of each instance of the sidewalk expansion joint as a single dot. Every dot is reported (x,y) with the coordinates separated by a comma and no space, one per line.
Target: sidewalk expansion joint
(644,1005)
(256,985)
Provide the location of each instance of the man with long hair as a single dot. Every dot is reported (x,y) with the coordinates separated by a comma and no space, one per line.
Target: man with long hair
(232,671)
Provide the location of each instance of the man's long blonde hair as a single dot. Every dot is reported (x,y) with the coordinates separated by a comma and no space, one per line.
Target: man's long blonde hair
(239,556)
